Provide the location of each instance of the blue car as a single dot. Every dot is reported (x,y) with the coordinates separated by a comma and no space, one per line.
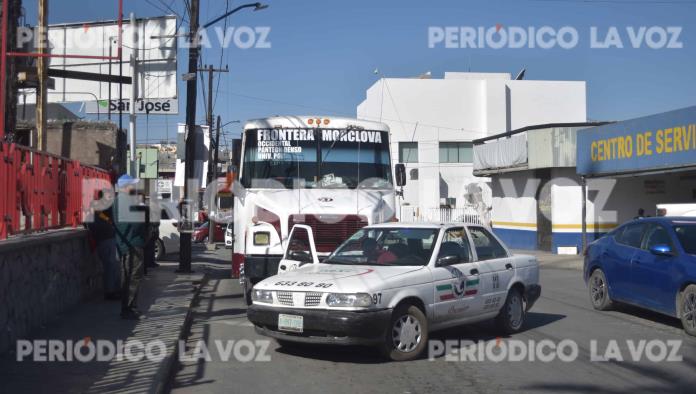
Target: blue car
(649,263)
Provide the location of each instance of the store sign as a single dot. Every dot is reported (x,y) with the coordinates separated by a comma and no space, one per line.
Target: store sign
(164,185)
(146,107)
(652,143)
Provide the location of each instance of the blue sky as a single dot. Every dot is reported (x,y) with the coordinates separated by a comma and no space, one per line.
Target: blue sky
(324,52)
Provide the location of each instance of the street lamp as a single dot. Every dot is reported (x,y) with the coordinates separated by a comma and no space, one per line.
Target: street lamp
(257,7)
(228,123)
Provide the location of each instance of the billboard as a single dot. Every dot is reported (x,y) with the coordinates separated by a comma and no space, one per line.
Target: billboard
(157,49)
(652,143)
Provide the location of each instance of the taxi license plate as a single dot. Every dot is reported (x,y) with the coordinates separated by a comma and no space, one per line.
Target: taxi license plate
(292,323)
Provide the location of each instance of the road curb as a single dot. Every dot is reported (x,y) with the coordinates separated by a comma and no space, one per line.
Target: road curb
(172,363)
(566,264)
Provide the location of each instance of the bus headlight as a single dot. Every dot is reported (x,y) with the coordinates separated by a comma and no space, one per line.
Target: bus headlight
(265,296)
(362,300)
(262,238)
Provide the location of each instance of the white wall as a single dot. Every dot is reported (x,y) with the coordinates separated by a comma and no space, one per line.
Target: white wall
(540,102)
(514,201)
(462,107)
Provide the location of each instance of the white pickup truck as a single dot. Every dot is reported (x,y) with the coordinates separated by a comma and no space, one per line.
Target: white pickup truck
(391,284)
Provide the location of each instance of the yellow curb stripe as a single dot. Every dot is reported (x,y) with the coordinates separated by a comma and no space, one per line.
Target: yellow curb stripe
(596,226)
(515,224)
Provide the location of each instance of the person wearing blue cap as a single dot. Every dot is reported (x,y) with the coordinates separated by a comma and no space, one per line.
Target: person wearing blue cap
(130,240)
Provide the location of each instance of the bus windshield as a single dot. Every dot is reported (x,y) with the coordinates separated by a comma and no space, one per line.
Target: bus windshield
(316,159)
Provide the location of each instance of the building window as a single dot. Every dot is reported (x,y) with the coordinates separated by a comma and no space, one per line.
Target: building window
(456,152)
(408,152)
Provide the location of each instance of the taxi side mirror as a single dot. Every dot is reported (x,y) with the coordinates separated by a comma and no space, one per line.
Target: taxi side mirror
(300,256)
(448,260)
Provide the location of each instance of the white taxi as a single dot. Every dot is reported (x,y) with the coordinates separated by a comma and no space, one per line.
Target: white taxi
(392,284)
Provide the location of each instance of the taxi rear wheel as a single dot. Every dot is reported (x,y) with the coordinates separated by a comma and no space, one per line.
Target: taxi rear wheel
(687,309)
(599,291)
(407,335)
(512,315)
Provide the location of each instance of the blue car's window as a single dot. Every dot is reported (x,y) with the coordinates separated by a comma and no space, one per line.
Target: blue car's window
(632,235)
(687,237)
(657,235)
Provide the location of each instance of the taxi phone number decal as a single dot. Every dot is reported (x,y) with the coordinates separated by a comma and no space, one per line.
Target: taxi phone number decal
(304,284)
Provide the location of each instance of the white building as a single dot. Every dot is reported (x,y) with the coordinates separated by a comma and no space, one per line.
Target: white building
(433,122)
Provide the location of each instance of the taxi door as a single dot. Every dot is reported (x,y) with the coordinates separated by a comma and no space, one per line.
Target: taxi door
(456,278)
(299,250)
(498,266)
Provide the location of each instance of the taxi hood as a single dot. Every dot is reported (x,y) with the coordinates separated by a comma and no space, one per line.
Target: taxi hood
(338,278)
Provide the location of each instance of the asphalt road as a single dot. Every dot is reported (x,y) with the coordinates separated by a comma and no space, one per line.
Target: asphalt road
(562,313)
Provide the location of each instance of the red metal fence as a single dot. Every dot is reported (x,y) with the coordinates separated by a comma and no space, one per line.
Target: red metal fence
(40,191)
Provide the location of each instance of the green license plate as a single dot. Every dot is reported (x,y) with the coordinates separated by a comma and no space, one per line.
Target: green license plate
(291,323)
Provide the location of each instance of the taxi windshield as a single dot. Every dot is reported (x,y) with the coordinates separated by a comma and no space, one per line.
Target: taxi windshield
(387,246)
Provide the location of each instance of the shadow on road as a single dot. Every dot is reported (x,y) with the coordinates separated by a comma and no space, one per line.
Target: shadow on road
(648,315)
(485,331)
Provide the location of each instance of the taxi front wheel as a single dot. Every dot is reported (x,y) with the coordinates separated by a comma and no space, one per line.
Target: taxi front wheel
(512,315)
(407,335)
(247,293)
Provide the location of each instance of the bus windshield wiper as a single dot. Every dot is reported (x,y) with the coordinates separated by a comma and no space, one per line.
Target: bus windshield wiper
(321,163)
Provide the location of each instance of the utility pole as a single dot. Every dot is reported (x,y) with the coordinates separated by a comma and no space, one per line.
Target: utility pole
(217,146)
(42,75)
(3,68)
(212,159)
(132,162)
(191,86)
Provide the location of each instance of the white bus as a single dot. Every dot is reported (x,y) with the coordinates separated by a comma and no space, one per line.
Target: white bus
(332,174)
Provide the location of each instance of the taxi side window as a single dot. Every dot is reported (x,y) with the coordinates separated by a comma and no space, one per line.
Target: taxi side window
(487,246)
(632,235)
(456,242)
(298,246)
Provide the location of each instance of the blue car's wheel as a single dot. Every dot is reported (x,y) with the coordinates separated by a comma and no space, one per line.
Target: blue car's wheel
(599,291)
(687,309)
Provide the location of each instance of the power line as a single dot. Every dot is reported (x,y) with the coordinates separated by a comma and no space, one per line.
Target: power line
(169,7)
(345,114)
(222,52)
(156,6)
(200,75)
(628,2)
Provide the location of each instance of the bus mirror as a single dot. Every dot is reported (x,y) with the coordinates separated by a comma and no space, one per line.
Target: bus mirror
(400,170)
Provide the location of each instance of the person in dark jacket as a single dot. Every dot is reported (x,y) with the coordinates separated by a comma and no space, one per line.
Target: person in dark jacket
(130,240)
(103,233)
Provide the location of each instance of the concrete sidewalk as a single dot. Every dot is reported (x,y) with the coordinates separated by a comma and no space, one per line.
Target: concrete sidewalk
(165,301)
(550,260)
